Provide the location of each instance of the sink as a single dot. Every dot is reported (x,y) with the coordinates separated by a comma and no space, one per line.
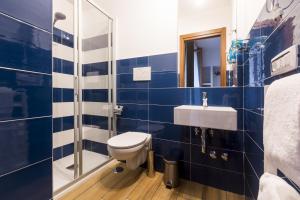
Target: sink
(224,118)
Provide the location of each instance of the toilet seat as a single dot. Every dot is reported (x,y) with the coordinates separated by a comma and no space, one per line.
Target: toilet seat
(127,140)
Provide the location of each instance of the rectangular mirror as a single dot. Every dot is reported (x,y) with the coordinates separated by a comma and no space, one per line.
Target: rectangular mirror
(206,30)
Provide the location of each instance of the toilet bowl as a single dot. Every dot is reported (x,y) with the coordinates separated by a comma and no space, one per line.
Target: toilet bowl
(131,147)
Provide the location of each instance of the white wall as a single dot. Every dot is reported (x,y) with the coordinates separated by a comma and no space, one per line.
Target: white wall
(211,14)
(247,13)
(144,27)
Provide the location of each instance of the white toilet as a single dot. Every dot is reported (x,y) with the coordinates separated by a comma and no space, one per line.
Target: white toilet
(131,147)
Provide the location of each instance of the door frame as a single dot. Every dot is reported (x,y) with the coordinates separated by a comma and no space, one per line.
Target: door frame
(221,32)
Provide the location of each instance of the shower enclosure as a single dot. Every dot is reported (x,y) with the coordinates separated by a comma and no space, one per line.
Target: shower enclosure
(82,89)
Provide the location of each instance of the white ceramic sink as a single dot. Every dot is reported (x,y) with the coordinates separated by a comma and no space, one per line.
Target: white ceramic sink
(224,118)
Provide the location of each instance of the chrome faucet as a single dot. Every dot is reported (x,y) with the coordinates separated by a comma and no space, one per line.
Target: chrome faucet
(204,99)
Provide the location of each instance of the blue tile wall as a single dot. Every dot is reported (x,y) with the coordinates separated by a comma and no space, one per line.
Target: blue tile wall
(148,107)
(25,94)
(97,121)
(63,123)
(63,66)
(32,182)
(95,69)
(62,37)
(24,47)
(95,95)
(35,12)
(96,147)
(26,99)
(268,37)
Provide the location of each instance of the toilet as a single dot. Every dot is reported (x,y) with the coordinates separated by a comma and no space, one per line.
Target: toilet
(131,147)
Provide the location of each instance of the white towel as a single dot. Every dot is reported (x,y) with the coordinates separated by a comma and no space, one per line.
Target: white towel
(272,187)
(282,127)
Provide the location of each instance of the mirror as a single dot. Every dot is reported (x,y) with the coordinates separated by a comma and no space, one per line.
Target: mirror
(206,30)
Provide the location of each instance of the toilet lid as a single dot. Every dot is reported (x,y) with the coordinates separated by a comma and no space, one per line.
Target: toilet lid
(127,140)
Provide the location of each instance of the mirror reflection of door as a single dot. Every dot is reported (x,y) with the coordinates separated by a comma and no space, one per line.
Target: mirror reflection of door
(203,59)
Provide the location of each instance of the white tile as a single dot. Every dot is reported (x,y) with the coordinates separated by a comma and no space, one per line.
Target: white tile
(62,175)
(62,80)
(62,52)
(96,108)
(95,134)
(95,82)
(63,109)
(63,138)
(95,56)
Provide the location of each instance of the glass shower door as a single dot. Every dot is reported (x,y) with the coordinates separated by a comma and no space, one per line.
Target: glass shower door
(95,62)
(82,87)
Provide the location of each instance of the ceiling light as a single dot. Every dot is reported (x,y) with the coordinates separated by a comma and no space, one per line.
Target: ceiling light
(199,2)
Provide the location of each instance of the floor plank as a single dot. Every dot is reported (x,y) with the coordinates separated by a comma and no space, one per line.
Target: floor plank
(136,185)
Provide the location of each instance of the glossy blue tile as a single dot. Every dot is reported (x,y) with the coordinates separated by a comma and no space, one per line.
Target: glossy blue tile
(124,125)
(251,179)
(30,183)
(63,95)
(127,65)
(63,123)
(230,181)
(240,76)
(95,121)
(257,72)
(57,153)
(67,39)
(56,35)
(163,62)
(24,95)
(252,182)
(95,69)
(142,61)
(220,139)
(254,99)
(24,47)
(248,194)
(95,95)
(170,96)
(137,96)
(87,145)
(159,113)
(171,150)
(67,67)
(254,126)
(163,80)
(169,132)
(219,96)
(126,81)
(135,111)
(24,142)
(38,13)
(68,95)
(67,123)
(98,147)
(234,162)
(68,149)
(57,95)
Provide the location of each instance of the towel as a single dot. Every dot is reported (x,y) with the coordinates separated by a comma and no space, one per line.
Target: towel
(281,135)
(272,187)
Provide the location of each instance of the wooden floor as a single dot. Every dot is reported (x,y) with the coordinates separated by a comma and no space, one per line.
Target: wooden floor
(136,185)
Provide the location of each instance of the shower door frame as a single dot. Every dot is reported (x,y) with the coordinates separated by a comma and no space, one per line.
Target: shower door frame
(78,161)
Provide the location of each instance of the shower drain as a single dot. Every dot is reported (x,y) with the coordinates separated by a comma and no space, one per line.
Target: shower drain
(71,167)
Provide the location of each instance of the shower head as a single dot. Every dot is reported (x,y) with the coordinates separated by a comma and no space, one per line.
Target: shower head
(59,16)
